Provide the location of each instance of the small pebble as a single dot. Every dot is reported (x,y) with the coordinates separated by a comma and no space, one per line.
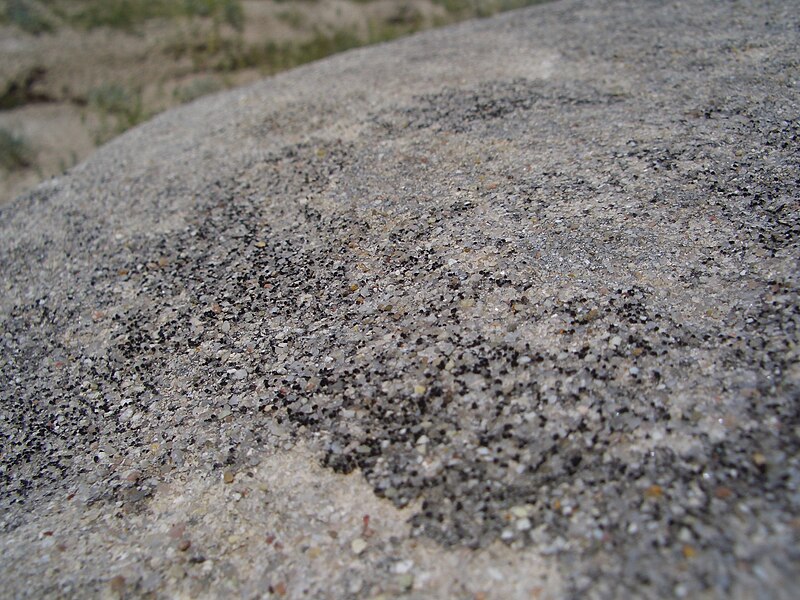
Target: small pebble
(117,584)
(654,491)
(405,581)
(358,545)
(524,524)
(176,531)
(402,567)
(519,512)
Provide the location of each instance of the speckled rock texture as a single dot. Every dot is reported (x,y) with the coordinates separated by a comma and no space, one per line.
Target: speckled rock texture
(505,310)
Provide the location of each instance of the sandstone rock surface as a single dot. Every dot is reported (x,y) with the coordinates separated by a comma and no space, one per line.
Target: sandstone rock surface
(504,310)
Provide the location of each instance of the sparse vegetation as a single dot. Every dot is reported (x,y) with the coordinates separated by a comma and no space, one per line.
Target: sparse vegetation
(120,108)
(144,56)
(20,90)
(26,15)
(197,88)
(129,14)
(482,8)
(292,17)
(272,57)
(231,54)
(15,153)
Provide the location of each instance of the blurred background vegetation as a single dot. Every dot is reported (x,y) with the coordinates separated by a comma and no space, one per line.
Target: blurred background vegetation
(76,73)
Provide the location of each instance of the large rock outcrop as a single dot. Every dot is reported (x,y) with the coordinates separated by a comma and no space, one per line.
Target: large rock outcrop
(508,309)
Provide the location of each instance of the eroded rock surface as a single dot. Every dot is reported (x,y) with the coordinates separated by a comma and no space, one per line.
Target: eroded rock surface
(532,281)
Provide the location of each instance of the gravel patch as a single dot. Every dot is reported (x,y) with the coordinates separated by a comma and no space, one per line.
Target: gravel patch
(508,309)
